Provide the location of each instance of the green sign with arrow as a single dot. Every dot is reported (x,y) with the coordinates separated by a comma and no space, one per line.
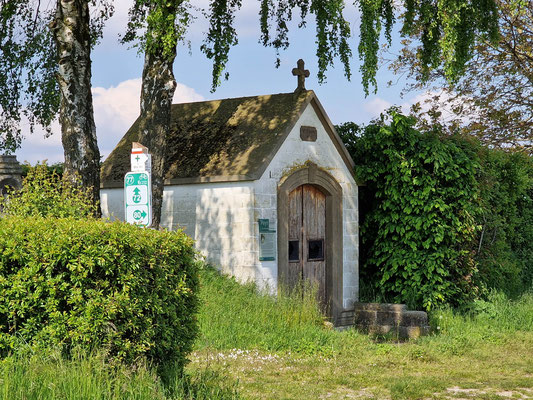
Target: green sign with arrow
(138,198)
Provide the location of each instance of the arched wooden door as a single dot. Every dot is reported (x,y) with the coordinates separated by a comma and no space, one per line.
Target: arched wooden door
(307,238)
(310,229)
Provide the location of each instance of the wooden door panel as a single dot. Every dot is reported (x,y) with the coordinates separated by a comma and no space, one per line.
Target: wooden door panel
(315,274)
(307,222)
(314,229)
(314,212)
(295,235)
(295,214)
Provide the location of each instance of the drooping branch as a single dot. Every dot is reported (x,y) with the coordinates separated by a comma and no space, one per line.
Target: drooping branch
(496,87)
(221,36)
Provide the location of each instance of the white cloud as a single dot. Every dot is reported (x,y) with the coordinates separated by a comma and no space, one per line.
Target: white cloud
(376,106)
(446,103)
(185,94)
(115,109)
(424,99)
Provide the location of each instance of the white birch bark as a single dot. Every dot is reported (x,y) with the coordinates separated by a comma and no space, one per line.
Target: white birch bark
(71,32)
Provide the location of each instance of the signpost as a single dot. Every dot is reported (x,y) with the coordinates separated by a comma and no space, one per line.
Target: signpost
(140,160)
(138,188)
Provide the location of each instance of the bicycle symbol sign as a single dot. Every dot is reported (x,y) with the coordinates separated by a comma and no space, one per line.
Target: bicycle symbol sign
(138,198)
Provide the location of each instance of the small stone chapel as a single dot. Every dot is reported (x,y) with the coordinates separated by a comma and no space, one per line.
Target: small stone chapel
(265,187)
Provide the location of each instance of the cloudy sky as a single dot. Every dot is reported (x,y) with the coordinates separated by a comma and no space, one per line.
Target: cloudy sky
(117,70)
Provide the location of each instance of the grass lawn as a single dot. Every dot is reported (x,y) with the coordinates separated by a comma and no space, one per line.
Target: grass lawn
(279,349)
(255,346)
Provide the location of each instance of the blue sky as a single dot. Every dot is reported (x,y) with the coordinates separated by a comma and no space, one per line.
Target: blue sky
(117,70)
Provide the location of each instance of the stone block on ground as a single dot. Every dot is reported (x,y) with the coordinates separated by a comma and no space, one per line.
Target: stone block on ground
(384,319)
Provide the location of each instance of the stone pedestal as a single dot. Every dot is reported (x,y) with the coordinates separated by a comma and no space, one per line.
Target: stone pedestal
(10,173)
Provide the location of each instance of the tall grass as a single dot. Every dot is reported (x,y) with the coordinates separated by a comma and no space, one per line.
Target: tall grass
(497,314)
(50,376)
(236,316)
(495,320)
(233,315)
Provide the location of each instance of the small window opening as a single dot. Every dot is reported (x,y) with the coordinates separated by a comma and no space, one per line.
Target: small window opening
(294,251)
(316,250)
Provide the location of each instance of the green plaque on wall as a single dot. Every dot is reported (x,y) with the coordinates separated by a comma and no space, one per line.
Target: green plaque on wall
(267,241)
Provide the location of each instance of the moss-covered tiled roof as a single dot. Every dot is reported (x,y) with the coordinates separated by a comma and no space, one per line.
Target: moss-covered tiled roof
(220,140)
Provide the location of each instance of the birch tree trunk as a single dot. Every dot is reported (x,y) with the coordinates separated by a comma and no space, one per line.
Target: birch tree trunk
(158,86)
(71,32)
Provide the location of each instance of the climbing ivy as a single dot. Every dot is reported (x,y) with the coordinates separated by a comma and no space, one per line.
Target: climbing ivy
(422,200)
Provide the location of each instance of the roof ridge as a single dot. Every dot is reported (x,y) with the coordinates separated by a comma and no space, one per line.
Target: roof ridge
(307,92)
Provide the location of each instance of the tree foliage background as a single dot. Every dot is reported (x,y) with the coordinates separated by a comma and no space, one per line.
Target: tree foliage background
(28,87)
(444,219)
(448,30)
(28,65)
(493,97)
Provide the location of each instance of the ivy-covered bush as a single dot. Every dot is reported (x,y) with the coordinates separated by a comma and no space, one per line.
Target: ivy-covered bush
(504,248)
(67,282)
(45,194)
(421,203)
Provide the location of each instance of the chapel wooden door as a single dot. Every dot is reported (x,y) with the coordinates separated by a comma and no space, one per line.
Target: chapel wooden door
(307,238)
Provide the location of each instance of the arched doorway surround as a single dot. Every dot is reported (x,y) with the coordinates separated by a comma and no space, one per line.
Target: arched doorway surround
(333,248)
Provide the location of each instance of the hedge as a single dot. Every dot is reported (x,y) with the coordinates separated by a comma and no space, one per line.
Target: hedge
(88,283)
(419,213)
(444,219)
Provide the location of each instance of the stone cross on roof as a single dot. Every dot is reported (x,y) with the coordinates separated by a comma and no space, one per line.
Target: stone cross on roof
(301,73)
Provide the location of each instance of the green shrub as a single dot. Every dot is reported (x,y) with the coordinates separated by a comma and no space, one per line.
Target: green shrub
(505,244)
(66,282)
(420,212)
(45,194)
(500,194)
(57,167)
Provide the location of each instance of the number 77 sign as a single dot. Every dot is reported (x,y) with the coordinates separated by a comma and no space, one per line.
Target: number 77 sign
(138,198)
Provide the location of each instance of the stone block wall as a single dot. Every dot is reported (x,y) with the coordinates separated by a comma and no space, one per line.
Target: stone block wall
(10,173)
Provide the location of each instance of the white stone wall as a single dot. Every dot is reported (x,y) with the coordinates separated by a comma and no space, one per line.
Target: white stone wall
(222,217)
(218,216)
(294,153)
